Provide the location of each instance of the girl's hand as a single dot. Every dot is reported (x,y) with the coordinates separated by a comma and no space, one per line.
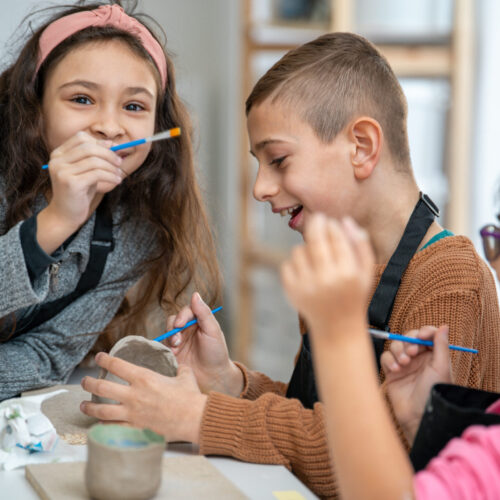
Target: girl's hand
(328,278)
(170,406)
(80,169)
(203,348)
(410,372)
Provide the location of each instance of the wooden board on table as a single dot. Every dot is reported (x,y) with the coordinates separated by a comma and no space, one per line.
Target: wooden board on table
(182,478)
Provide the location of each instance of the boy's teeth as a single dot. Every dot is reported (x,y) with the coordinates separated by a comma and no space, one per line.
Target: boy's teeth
(288,211)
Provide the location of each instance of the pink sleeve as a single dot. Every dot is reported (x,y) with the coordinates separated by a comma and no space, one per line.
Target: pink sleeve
(468,468)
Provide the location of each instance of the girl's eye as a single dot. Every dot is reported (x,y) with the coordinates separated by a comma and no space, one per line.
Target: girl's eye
(278,161)
(134,107)
(81,99)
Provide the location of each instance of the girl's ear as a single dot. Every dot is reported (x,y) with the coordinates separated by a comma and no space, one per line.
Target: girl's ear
(366,137)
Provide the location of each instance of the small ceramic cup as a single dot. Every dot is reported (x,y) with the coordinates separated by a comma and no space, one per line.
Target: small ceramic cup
(123,463)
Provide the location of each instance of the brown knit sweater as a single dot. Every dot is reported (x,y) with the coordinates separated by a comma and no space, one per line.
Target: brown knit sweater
(446,282)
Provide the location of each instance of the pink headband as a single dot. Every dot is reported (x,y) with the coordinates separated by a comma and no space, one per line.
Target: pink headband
(106,15)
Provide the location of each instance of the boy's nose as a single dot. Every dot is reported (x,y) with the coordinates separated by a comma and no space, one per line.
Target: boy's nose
(266,185)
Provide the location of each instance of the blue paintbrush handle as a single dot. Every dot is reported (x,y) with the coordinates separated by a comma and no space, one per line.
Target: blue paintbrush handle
(118,147)
(126,145)
(187,325)
(430,343)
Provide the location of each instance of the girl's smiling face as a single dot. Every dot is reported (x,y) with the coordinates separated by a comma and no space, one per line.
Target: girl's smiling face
(106,90)
(298,173)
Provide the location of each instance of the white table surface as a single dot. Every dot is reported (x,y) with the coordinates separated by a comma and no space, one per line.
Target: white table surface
(256,481)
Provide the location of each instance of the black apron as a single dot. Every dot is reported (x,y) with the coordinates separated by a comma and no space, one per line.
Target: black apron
(101,245)
(302,385)
(448,412)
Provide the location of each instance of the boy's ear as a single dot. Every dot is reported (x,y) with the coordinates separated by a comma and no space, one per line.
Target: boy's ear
(366,136)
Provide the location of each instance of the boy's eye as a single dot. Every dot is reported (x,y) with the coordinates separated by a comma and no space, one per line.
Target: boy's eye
(81,99)
(133,106)
(277,161)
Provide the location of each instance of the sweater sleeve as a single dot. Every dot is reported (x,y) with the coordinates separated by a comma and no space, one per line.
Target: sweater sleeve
(469,467)
(48,354)
(16,288)
(255,384)
(270,430)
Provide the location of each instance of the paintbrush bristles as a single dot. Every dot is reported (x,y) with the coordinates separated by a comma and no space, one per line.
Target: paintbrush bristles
(173,132)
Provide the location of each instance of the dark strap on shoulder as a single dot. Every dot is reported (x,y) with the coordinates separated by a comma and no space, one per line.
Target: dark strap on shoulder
(380,308)
(101,245)
(302,385)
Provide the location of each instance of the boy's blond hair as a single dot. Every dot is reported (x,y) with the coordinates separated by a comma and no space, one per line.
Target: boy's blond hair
(333,79)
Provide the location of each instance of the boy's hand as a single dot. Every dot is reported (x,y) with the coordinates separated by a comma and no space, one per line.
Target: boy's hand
(411,370)
(170,406)
(328,278)
(203,348)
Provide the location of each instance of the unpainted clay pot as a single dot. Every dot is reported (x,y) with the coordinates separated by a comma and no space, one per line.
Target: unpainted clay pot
(123,463)
(142,352)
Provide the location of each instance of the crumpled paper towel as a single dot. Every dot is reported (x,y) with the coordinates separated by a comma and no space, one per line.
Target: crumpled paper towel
(27,435)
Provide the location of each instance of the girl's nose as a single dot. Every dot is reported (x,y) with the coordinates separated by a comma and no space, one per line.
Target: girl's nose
(266,185)
(107,125)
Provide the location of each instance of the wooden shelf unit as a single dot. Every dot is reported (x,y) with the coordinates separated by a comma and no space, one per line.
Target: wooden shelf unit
(452,60)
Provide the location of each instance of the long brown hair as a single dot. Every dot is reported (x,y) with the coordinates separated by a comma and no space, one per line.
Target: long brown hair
(164,191)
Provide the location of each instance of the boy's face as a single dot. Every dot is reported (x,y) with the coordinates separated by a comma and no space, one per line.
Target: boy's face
(298,173)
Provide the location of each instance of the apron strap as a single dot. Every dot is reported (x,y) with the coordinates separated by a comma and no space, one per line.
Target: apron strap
(101,245)
(380,308)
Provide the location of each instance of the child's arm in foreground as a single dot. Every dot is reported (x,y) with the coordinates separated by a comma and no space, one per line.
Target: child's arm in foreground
(328,281)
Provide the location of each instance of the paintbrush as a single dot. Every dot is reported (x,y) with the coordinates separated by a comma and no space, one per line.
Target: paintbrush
(188,324)
(167,134)
(395,336)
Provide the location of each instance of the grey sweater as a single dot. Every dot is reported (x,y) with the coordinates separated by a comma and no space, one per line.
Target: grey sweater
(48,354)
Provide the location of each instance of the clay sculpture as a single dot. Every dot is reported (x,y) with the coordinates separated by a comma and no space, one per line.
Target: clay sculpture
(142,352)
(123,463)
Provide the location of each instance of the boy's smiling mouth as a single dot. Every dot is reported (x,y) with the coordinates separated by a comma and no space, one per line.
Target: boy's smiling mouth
(294,212)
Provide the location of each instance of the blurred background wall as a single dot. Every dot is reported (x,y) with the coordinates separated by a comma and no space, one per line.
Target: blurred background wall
(214,69)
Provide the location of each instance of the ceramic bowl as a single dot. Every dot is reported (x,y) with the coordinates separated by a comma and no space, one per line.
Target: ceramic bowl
(123,463)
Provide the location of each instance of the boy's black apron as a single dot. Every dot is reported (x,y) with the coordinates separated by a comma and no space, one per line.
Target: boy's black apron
(302,384)
(102,243)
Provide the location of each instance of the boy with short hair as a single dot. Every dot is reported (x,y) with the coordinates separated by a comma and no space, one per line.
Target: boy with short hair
(327,124)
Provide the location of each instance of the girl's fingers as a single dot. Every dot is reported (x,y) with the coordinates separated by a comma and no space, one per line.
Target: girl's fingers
(170,322)
(340,246)
(360,243)
(287,275)
(317,246)
(93,177)
(83,143)
(183,316)
(206,320)
(85,165)
(72,142)
(89,150)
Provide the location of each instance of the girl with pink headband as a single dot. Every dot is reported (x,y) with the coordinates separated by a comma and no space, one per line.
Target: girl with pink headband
(77,236)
